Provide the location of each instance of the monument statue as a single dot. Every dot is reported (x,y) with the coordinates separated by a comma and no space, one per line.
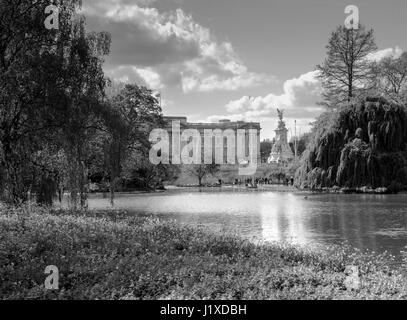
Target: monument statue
(281,152)
(280,114)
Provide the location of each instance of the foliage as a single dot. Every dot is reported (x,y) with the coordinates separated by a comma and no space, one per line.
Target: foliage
(124,145)
(201,170)
(359,145)
(265,149)
(61,119)
(51,90)
(27,83)
(302,143)
(146,176)
(113,255)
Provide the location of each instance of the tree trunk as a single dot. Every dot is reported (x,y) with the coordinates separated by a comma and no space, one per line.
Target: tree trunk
(112,194)
(14,188)
(112,186)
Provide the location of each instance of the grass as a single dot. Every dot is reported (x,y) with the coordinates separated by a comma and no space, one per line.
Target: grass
(108,255)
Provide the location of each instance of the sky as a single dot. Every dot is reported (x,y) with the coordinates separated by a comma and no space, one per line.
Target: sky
(235,59)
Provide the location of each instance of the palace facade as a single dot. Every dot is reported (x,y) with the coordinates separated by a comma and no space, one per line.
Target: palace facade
(223,125)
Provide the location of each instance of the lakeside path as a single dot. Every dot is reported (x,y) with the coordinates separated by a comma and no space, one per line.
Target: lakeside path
(108,255)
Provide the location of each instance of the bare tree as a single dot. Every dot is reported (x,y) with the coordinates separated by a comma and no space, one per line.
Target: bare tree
(202,170)
(346,70)
(391,77)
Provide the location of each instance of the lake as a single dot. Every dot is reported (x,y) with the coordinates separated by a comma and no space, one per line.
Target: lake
(375,222)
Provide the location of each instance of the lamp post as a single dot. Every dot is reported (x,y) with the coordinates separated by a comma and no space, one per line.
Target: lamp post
(295,139)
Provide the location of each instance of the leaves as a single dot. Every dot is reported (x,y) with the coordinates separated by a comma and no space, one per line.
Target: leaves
(360,145)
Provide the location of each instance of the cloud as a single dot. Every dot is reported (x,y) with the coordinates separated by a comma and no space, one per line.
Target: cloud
(394,53)
(152,78)
(299,99)
(168,44)
(166,103)
(131,74)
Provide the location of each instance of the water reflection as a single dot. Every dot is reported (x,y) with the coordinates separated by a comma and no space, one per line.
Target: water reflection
(282,219)
(375,222)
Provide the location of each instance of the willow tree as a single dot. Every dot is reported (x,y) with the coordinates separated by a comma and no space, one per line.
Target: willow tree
(81,112)
(27,52)
(346,72)
(51,92)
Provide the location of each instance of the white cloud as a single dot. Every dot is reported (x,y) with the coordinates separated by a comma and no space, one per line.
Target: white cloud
(299,99)
(394,53)
(131,74)
(166,103)
(151,78)
(171,45)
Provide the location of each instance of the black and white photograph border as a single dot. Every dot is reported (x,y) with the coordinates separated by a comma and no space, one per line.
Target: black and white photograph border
(201,150)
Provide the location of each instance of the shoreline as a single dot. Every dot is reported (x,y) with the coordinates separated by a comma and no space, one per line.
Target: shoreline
(271,188)
(360,190)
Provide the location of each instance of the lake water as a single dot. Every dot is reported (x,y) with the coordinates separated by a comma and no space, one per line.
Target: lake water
(375,222)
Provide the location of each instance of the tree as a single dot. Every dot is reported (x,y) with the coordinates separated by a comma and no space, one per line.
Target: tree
(279,174)
(202,170)
(346,71)
(51,98)
(138,112)
(302,143)
(49,174)
(147,176)
(265,149)
(391,78)
(84,109)
(29,79)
